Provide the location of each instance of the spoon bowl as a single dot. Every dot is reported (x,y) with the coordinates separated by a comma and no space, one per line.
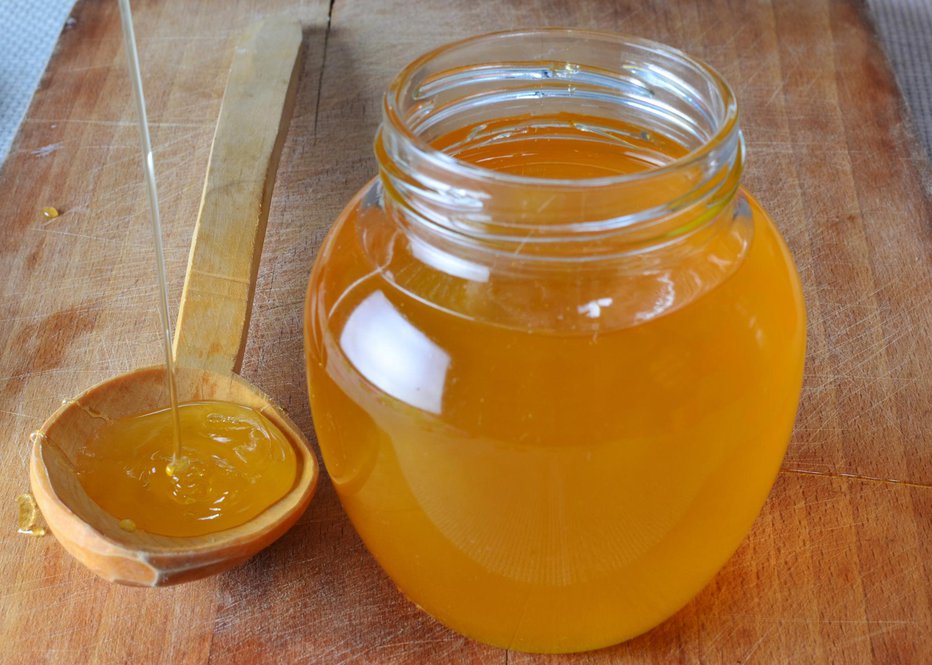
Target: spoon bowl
(95,537)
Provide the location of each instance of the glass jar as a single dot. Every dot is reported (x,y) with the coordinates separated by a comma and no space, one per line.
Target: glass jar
(554,350)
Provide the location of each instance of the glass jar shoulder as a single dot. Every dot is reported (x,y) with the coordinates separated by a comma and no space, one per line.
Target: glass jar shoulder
(745,264)
(746,334)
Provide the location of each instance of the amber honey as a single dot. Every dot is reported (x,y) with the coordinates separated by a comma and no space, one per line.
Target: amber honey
(555,454)
(190,469)
(235,463)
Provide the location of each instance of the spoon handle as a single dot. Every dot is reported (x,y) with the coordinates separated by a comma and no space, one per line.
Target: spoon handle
(216,302)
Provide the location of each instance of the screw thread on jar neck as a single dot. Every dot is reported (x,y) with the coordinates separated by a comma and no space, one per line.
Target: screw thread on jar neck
(549,79)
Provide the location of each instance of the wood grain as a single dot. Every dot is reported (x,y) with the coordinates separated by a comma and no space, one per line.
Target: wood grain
(216,301)
(836,569)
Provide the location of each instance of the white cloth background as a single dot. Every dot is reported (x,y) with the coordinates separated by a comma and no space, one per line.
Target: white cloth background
(905,28)
(29,30)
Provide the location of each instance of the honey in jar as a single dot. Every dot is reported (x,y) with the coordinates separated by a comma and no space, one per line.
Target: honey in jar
(554,349)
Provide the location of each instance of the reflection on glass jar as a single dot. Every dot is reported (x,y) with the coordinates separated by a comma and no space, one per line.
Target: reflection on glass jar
(554,350)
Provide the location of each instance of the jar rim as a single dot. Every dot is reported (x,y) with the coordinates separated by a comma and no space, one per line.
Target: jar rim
(725,126)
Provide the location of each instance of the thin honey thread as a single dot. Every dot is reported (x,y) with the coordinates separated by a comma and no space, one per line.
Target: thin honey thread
(132,57)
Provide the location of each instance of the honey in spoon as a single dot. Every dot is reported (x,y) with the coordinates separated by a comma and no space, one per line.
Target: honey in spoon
(189,469)
(208,347)
(234,463)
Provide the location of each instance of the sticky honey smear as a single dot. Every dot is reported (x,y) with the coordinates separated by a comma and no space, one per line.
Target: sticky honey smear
(29,516)
(50,212)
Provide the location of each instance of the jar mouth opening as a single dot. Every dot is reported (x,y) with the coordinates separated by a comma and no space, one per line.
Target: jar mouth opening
(719,103)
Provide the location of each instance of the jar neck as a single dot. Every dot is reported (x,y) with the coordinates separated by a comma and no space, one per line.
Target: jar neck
(625,94)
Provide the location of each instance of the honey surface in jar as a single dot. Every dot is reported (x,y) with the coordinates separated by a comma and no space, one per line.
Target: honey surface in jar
(549,488)
(234,464)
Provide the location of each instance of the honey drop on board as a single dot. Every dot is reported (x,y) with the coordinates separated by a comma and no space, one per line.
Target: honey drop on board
(29,516)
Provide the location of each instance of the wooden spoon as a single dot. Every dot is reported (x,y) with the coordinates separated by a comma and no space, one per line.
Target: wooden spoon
(209,342)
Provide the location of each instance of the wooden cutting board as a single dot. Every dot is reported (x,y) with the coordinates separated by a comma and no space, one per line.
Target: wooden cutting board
(836,569)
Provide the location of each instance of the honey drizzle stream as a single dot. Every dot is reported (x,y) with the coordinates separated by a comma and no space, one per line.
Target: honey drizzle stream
(132,58)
